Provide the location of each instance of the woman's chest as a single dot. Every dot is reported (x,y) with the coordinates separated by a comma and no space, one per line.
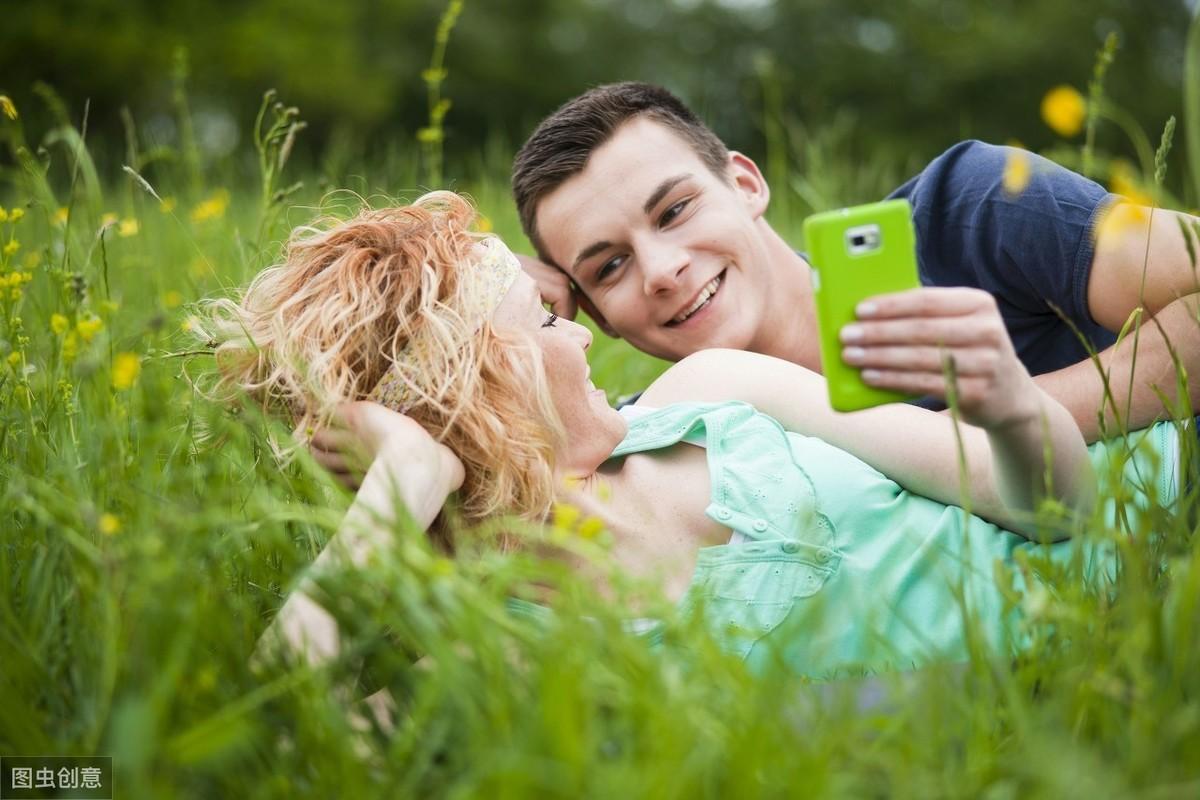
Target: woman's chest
(656,514)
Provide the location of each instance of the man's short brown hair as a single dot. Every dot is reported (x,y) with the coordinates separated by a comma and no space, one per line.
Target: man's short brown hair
(562,144)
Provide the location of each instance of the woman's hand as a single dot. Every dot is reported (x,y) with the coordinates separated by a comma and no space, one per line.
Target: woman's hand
(361,431)
(911,341)
(404,467)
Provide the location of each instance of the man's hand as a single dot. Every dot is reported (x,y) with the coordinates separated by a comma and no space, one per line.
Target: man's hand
(903,342)
(361,431)
(553,284)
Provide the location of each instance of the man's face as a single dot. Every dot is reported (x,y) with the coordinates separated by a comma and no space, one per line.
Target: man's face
(672,256)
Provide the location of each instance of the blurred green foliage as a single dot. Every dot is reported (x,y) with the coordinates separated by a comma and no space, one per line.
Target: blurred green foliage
(910,77)
(149,535)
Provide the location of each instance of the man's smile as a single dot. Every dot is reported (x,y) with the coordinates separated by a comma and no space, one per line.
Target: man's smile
(700,301)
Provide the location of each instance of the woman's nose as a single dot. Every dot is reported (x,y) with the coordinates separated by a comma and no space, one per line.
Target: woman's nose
(580,332)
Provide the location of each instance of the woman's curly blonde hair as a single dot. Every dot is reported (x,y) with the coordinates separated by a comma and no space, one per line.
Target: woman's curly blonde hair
(349,297)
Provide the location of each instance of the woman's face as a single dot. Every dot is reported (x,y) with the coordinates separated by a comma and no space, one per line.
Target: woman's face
(593,427)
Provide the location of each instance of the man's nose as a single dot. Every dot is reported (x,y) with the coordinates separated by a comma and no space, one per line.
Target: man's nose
(663,264)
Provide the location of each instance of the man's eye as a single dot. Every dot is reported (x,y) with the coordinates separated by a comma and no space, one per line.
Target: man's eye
(671,213)
(550,320)
(608,267)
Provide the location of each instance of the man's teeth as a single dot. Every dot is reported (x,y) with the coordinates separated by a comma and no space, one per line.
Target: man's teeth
(707,292)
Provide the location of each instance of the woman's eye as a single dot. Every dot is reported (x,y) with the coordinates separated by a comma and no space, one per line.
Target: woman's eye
(550,320)
(671,213)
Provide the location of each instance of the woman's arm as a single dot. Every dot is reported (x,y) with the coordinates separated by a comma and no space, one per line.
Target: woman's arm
(1020,443)
(407,467)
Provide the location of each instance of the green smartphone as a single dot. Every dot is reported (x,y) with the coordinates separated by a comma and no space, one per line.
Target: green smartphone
(856,253)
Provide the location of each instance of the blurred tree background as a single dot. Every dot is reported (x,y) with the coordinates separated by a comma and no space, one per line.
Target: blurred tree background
(898,80)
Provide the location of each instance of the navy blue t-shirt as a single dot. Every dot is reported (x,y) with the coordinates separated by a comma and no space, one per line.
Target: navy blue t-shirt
(1032,251)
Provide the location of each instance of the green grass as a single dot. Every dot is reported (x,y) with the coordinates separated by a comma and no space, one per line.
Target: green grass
(149,537)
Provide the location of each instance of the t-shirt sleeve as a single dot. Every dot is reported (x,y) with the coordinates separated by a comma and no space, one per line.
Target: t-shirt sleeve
(1032,248)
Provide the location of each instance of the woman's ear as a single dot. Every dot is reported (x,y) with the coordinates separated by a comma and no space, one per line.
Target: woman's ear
(749,182)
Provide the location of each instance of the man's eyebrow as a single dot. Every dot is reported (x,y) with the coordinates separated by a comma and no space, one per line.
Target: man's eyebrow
(655,198)
(589,251)
(658,194)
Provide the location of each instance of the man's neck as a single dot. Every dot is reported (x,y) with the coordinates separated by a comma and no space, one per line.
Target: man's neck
(789,330)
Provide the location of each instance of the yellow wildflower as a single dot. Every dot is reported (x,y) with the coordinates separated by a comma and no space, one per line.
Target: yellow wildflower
(1123,180)
(126,367)
(16,214)
(60,216)
(211,208)
(17,294)
(1064,110)
(109,524)
(12,247)
(1121,176)
(70,347)
(167,205)
(172,299)
(1016,172)
(14,358)
(88,328)
(108,219)
(483,224)
(128,227)
(6,105)
(591,527)
(200,268)
(32,259)
(565,515)
(1122,217)
(187,325)
(3,215)
(59,323)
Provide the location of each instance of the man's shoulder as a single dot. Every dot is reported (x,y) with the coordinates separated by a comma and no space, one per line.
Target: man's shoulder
(973,171)
(957,167)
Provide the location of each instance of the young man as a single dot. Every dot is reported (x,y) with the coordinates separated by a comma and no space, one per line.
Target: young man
(643,217)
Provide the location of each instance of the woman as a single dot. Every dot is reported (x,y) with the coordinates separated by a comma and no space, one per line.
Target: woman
(833,541)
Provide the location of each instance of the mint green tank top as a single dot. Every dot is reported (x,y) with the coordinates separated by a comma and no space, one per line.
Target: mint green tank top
(835,568)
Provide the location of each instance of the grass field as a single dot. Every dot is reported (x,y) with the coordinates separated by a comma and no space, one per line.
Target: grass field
(149,535)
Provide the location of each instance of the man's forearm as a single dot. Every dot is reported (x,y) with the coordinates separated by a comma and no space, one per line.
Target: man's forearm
(1137,369)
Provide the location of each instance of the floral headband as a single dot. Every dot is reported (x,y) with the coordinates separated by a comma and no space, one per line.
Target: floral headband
(490,279)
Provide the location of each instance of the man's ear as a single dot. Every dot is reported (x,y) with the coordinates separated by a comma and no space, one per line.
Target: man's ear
(584,302)
(749,182)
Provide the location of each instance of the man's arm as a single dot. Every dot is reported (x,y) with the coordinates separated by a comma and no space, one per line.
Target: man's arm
(1141,261)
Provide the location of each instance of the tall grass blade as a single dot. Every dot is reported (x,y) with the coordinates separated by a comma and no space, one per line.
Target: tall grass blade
(1191,103)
